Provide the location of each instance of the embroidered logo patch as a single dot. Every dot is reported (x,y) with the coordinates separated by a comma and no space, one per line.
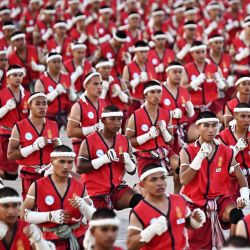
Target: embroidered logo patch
(49,200)
(28,136)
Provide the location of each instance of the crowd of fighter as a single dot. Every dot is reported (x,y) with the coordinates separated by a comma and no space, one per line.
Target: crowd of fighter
(151,88)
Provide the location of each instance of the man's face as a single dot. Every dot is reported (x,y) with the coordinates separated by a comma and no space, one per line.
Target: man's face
(160,43)
(199,55)
(244,88)
(105,236)
(60,31)
(242,119)
(217,46)
(214,13)
(208,131)
(79,54)
(8,33)
(134,22)
(19,43)
(80,24)
(159,19)
(106,16)
(55,65)
(9,212)
(105,71)
(142,56)
(3,61)
(190,33)
(49,18)
(5,17)
(38,107)
(153,96)
(35,6)
(94,87)
(175,75)
(155,184)
(112,124)
(15,79)
(62,166)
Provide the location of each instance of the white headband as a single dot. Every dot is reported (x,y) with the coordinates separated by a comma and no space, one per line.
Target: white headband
(90,76)
(233,1)
(35,1)
(5,11)
(17,36)
(158,13)
(213,7)
(190,26)
(81,17)
(242,79)
(179,9)
(152,171)
(154,87)
(134,15)
(174,67)
(103,64)
(112,114)
(246,24)
(49,58)
(159,36)
(141,48)
(203,120)
(78,46)
(10,199)
(194,48)
(49,12)
(122,40)
(59,24)
(63,154)
(104,222)
(35,96)
(106,10)
(215,39)
(191,11)
(14,71)
(3,52)
(238,110)
(9,26)
(73,1)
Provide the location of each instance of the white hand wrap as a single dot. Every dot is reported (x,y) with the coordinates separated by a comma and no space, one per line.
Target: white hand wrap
(91,129)
(72,95)
(39,143)
(118,92)
(244,195)
(47,34)
(85,209)
(26,151)
(135,82)
(245,53)
(212,26)
(190,109)
(37,67)
(104,39)
(3,230)
(204,151)
(105,89)
(182,53)
(167,137)
(169,37)
(82,38)
(158,227)
(78,72)
(160,68)
(153,133)
(197,81)
(36,217)
(69,24)
(60,89)
(230,81)
(143,76)
(58,49)
(236,24)
(240,145)
(52,95)
(176,113)
(57,216)
(129,164)
(106,158)
(10,104)
(221,84)
(194,223)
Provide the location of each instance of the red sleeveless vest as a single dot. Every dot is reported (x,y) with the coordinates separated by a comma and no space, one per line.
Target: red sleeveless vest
(174,237)
(108,176)
(28,134)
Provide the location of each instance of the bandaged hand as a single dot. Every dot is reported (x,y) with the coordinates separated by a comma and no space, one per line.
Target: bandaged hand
(240,145)
(10,104)
(244,197)
(39,143)
(189,108)
(163,128)
(176,113)
(59,216)
(3,229)
(116,91)
(60,89)
(160,68)
(104,159)
(129,164)
(194,84)
(143,76)
(197,218)
(157,227)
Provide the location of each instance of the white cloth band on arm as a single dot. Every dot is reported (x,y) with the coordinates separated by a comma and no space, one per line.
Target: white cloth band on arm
(52,95)
(3,111)
(98,162)
(88,130)
(141,139)
(26,151)
(36,217)
(196,163)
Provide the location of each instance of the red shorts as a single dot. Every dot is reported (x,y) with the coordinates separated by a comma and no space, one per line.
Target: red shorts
(5,164)
(143,160)
(28,176)
(110,200)
(64,244)
(202,238)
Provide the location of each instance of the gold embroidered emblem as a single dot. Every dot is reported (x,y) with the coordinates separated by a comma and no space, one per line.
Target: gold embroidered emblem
(20,245)
(178,212)
(49,134)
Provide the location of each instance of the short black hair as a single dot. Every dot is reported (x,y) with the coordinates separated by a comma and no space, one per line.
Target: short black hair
(243,105)
(174,63)
(8,191)
(14,66)
(151,83)
(206,114)
(18,32)
(121,34)
(62,148)
(149,167)
(159,32)
(197,43)
(111,108)
(103,213)
(141,43)
(237,241)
